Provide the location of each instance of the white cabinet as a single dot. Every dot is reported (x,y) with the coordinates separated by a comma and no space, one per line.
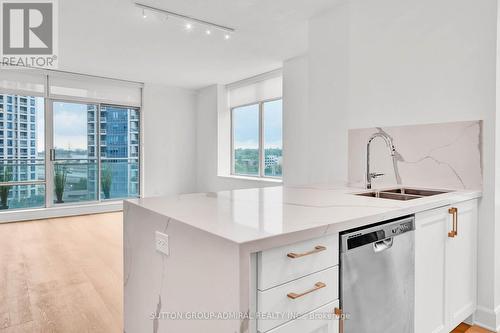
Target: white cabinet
(300,279)
(321,320)
(298,297)
(283,264)
(430,266)
(461,264)
(445,267)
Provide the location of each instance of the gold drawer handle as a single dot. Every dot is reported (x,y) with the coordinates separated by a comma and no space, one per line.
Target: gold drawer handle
(454,231)
(317,286)
(317,249)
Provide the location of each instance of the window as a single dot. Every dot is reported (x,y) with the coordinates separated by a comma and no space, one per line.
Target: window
(246,140)
(119,154)
(75,173)
(20,163)
(256,127)
(273,138)
(76,170)
(75,144)
(248,158)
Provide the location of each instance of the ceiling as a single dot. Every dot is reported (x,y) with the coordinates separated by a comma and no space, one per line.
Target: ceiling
(111,38)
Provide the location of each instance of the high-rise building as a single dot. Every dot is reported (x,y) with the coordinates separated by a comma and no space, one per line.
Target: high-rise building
(119,142)
(18,142)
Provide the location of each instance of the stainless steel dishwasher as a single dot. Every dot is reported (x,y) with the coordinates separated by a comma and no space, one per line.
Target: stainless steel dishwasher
(377,267)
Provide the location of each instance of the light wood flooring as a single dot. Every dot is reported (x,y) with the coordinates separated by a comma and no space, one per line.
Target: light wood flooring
(62,275)
(65,275)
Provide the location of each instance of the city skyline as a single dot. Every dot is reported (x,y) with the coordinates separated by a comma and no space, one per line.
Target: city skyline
(22,150)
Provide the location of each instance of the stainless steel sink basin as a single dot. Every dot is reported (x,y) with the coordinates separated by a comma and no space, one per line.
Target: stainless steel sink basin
(402,193)
(415,191)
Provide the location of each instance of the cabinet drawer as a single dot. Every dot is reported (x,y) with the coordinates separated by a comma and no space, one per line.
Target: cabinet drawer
(321,320)
(290,262)
(297,297)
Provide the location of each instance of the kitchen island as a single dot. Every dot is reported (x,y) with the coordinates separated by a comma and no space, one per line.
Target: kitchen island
(229,253)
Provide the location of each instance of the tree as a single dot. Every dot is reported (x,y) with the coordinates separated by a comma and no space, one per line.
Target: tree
(60,182)
(106,180)
(5,176)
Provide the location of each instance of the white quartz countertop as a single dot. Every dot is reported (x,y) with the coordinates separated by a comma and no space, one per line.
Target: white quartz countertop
(249,215)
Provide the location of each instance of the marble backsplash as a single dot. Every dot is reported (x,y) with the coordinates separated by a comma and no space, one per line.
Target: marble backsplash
(444,155)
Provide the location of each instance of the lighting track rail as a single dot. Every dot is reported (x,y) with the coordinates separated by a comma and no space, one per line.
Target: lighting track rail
(185,17)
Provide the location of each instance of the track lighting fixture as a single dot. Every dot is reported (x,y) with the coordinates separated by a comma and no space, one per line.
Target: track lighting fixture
(190,21)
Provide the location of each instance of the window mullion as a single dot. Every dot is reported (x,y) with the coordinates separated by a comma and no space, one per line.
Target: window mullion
(49,145)
(232,160)
(98,150)
(261,140)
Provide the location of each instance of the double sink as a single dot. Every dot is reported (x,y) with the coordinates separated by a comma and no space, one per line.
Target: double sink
(402,193)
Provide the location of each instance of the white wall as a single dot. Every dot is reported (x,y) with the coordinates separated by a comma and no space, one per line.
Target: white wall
(169,134)
(295,121)
(210,102)
(328,95)
(400,62)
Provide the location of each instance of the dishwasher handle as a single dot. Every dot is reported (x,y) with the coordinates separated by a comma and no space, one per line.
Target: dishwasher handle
(383,245)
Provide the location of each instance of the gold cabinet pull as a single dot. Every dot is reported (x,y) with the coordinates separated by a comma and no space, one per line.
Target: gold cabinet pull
(317,286)
(338,312)
(317,249)
(454,231)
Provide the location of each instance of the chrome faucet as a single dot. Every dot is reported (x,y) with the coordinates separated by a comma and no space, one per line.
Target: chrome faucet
(390,145)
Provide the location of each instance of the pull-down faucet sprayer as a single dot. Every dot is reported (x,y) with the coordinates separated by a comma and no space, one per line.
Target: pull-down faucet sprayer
(388,141)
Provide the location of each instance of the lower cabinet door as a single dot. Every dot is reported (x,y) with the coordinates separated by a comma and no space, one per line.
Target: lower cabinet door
(431,231)
(309,296)
(322,320)
(461,264)
(445,267)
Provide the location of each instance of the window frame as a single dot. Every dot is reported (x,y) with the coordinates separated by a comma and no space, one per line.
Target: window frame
(262,157)
(98,158)
(48,144)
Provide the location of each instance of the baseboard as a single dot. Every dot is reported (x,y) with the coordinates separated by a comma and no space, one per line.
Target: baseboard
(60,211)
(488,318)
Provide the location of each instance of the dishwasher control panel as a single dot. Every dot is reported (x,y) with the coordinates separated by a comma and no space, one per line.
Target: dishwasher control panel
(352,239)
(403,227)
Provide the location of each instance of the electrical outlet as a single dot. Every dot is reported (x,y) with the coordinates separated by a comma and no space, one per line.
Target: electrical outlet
(162,244)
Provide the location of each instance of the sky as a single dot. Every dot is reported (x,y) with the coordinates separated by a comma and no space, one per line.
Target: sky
(70,125)
(246,126)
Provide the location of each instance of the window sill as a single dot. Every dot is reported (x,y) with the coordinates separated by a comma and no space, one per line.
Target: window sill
(254,179)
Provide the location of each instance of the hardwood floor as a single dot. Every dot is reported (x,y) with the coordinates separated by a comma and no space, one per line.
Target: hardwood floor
(62,275)
(464,328)
(65,275)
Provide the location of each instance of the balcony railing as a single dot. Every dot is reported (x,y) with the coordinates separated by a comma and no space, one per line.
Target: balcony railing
(12,171)
(75,180)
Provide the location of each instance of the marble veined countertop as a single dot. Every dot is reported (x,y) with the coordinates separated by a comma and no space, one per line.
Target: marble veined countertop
(250,215)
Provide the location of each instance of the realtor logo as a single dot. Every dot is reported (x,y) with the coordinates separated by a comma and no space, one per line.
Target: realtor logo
(29,37)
